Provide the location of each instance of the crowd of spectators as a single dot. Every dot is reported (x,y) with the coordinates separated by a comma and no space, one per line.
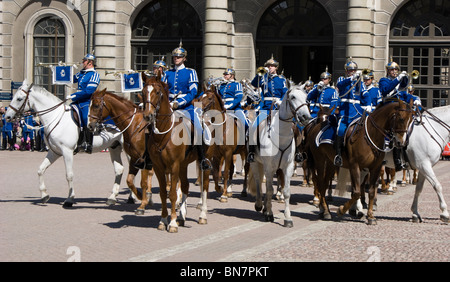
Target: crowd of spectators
(23,135)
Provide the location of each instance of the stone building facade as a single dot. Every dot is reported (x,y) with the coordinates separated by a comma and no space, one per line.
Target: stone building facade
(305,36)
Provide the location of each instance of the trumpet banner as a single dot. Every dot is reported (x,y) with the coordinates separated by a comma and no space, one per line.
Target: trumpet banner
(131,82)
(62,74)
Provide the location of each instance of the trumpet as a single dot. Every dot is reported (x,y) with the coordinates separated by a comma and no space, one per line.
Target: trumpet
(60,63)
(118,73)
(261,71)
(216,81)
(414,74)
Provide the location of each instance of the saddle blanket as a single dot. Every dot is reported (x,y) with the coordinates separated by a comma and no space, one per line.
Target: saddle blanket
(326,135)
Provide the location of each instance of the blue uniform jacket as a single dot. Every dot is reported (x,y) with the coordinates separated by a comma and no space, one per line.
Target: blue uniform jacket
(232,95)
(88,81)
(370,101)
(350,100)
(389,89)
(327,98)
(184,80)
(273,88)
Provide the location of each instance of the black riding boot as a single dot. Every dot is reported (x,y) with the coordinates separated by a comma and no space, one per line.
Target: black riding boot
(396,153)
(79,142)
(144,162)
(204,162)
(251,153)
(89,135)
(338,146)
(32,145)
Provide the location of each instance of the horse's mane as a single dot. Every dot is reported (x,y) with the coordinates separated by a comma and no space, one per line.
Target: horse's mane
(122,99)
(46,93)
(222,105)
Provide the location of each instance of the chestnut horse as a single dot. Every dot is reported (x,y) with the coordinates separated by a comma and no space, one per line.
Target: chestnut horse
(362,150)
(223,126)
(130,121)
(170,152)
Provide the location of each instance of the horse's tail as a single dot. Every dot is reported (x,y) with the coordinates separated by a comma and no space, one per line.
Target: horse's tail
(342,183)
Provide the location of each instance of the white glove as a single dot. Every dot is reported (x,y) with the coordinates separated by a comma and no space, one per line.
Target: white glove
(228,106)
(417,102)
(278,102)
(321,84)
(71,96)
(355,75)
(402,75)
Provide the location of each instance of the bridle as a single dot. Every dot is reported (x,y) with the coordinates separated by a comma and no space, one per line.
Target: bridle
(293,110)
(157,107)
(22,107)
(101,120)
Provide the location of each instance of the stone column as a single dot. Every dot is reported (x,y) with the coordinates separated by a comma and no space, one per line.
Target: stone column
(104,44)
(216,39)
(359,33)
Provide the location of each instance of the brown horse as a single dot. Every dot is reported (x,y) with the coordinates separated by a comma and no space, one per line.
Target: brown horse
(170,151)
(131,123)
(362,150)
(224,125)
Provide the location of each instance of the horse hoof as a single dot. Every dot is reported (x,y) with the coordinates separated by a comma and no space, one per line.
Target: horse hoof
(269,218)
(173,229)
(223,199)
(67,205)
(416,219)
(444,218)
(139,212)
(281,201)
(180,222)
(229,194)
(111,202)
(288,223)
(258,208)
(202,221)
(219,189)
(161,226)
(360,215)
(45,199)
(340,211)
(316,203)
(371,221)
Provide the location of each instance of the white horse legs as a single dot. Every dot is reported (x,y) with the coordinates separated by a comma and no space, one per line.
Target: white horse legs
(431,177)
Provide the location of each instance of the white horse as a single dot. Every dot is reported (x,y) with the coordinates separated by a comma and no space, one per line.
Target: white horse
(61,136)
(276,152)
(426,143)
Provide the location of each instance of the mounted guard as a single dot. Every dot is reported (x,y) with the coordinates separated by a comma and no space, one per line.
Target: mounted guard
(88,80)
(183,88)
(274,87)
(393,86)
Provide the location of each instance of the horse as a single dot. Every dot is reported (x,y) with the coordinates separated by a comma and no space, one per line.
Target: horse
(429,136)
(275,154)
(61,135)
(233,141)
(170,151)
(131,123)
(364,138)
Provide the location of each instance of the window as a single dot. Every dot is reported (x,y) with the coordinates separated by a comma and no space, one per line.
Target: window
(158,29)
(299,34)
(49,47)
(420,40)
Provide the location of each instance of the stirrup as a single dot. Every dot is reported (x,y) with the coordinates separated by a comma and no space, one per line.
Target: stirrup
(338,161)
(251,157)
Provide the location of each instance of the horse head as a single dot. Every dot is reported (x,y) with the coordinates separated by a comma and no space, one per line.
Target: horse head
(400,120)
(97,110)
(298,106)
(20,102)
(156,97)
(211,99)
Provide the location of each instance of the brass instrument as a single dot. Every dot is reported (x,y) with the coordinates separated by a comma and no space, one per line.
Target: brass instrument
(366,72)
(249,92)
(60,63)
(261,71)
(118,73)
(414,74)
(216,81)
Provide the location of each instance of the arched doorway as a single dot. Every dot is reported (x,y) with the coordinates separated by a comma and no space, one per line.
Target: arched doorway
(157,30)
(300,35)
(420,40)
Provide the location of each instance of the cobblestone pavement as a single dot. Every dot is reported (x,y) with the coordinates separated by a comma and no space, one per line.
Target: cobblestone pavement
(93,231)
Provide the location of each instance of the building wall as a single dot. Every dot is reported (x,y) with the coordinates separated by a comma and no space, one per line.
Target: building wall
(360,30)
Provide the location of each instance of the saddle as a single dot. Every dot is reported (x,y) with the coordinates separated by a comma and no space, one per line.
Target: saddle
(327,134)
